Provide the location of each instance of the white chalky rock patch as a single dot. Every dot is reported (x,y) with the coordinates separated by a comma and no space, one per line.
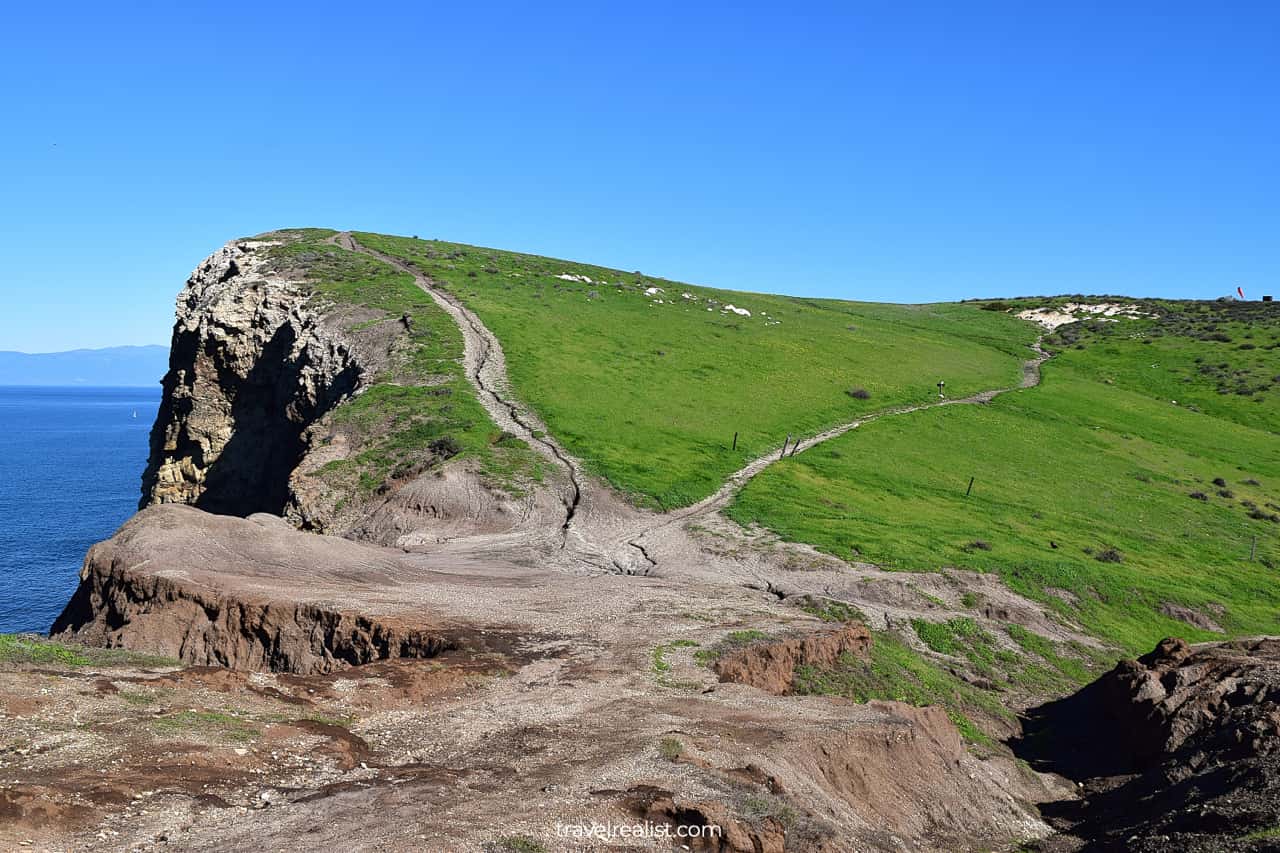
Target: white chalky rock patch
(743,312)
(652,290)
(571,277)
(1072,312)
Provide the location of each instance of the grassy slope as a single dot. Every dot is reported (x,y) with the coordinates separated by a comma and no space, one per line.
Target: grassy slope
(649,395)
(423,410)
(1098,457)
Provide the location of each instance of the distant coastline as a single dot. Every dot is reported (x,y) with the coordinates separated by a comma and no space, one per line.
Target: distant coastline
(110,367)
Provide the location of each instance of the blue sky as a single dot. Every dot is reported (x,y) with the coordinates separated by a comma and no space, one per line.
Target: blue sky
(866,150)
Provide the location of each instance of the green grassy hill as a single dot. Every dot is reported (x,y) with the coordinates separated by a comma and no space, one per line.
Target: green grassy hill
(1128,490)
(648,386)
(1095,492)
(422,410)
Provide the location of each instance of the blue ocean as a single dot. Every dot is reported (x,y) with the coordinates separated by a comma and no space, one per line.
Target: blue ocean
(71,462)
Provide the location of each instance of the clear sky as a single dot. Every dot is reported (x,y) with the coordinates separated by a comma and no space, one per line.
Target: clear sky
(869,150)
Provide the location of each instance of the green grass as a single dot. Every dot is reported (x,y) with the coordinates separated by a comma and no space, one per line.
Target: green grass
(421,411)
(894,671)
(1096,460)
(37,651)
(661,665)
(756,807)
(650,395)
(1039,667)
(731,641)
(208,724)
(1182,356)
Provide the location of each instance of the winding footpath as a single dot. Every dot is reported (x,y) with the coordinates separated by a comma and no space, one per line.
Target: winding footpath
(485,367)
(739,479)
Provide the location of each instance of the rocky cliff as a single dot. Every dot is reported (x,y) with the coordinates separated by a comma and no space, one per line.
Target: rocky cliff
(276,344)
(252,364)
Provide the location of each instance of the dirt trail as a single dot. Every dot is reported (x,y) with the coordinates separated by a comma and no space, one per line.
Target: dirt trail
(739,479)
(485,365)
(613,535)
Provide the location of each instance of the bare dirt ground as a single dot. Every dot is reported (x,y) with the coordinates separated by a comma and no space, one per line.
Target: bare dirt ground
(511,682)
(565,698)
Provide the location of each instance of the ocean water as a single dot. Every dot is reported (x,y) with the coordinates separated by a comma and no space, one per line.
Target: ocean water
(71,462)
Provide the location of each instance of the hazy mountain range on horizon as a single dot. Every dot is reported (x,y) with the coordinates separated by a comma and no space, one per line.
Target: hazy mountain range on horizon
(124,366)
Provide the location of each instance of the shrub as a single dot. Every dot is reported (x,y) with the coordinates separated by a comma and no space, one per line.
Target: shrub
(829,610)
(1226,493)
(1109,555)
(445,446)
(516,844)
(859,393)
(1220,482)
(670,748)
(1200,496)
(978,545)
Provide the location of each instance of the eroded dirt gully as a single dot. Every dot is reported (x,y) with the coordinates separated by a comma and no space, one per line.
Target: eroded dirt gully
(560,685)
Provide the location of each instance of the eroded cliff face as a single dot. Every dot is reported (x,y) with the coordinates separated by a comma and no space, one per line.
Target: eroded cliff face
(264,355)
(252,364)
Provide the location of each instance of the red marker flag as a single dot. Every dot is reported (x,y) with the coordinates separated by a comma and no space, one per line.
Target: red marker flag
(1240,290)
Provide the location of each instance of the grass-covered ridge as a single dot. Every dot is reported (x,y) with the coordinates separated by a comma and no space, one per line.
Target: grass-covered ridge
(648,385)
(1096,492)
(422,411)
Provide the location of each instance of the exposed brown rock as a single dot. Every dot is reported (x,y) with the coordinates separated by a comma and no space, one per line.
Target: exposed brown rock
(116,606)
(1179,749)
(771,665)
